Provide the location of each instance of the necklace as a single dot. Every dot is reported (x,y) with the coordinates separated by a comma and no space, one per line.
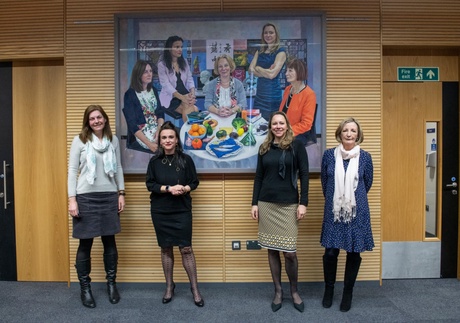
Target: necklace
(297,91)
(166,160)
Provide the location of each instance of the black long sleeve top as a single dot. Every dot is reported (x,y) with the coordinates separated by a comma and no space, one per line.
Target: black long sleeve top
(271,186)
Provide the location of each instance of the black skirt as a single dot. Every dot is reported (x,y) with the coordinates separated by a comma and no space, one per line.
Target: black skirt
(98,215)
(173,229)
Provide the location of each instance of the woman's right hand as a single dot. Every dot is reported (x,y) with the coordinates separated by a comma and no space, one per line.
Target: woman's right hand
(188,99)
(73,207)
(255,212)
(153,146)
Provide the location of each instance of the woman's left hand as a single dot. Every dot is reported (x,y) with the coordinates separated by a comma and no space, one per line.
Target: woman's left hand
(301,212)
(225,112)
(121,203)
(179,190)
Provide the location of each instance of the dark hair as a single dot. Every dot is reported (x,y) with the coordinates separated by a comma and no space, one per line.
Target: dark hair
(86,131)
(137,73)
(299,67)
(167,58)
(285,142)
(178,152)
(338,131)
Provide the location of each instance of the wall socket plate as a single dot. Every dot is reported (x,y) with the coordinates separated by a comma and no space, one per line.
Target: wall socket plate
(236,245)
(252,245)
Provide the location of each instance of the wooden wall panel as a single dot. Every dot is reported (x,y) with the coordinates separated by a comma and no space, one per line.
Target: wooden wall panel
(40,188)
(420,23)
(221,205)
(31,29)
(82,32)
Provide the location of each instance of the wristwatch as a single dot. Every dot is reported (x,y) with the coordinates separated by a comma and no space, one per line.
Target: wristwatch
(167,188)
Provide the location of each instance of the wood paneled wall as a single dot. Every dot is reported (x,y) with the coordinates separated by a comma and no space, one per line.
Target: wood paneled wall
(31,29)
(83,33)
(221,205)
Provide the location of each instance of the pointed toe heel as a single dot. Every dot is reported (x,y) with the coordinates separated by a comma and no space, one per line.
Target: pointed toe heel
(199,303)
(167,300)
(276,307)
(300,307)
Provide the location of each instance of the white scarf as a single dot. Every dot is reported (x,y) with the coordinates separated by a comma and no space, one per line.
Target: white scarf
(108,157)
(345,184)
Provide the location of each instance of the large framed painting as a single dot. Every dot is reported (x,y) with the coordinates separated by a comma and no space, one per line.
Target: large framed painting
(218,143)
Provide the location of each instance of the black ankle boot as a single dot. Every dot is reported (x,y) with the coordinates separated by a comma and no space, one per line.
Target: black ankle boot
(83,270)
(110,265)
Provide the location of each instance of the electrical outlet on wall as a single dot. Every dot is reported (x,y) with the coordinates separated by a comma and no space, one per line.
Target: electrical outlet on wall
(252,245)
(236,245)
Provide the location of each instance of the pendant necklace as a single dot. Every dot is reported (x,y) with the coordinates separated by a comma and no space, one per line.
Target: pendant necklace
(166,160)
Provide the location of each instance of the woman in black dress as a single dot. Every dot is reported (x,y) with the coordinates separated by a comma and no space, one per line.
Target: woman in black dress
(170,177)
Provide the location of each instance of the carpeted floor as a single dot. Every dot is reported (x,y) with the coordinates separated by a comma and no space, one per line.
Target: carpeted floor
(418,300)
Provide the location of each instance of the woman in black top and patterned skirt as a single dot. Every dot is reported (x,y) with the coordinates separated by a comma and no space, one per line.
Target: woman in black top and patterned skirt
(171,176)
(276,204)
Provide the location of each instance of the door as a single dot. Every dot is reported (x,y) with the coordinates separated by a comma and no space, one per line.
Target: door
(7,225)
(450,162)
(408,251)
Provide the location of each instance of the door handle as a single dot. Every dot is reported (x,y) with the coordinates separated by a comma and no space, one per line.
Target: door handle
(453,185)
(5,199)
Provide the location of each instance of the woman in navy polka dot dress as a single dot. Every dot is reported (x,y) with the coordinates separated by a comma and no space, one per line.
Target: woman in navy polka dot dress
(346,178)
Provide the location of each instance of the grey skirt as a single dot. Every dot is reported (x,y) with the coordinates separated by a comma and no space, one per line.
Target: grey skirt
(278,226)
(98,215)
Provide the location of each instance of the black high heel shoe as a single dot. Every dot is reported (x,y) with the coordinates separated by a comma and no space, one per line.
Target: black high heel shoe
(300,307)
(199,303)
(167,300)
(276,307)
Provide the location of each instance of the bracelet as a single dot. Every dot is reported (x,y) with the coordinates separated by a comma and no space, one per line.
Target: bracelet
(121,193)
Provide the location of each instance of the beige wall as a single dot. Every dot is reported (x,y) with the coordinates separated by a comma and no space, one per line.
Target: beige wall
(356,32)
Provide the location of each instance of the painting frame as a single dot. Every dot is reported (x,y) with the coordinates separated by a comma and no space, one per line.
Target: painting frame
(141,36)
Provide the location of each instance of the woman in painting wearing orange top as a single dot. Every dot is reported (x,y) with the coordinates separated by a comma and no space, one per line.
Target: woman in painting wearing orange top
(299,101)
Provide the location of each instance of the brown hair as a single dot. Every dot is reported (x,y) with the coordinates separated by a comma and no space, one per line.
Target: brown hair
(285,142)
(136,75)
(338,131)
(299,67)
(86,131)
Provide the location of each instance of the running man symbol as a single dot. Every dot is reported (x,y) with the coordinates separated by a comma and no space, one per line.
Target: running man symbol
(419,74)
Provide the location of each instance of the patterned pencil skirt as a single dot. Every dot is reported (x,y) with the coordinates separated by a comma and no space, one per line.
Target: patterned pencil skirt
(278,226)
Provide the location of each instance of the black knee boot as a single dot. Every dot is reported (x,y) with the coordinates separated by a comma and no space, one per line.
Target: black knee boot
(330,273)
(83,270)
(351,272)
(110,265)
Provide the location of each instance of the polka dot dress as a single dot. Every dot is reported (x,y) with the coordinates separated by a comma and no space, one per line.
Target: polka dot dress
(355,236)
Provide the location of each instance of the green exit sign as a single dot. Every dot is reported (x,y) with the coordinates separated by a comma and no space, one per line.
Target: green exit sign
(418,74)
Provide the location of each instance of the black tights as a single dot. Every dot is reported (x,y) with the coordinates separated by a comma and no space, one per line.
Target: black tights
(333,253)
(84,248)
(291,266)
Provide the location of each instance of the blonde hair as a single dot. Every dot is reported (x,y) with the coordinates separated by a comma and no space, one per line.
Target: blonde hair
(264,45)
(230,61)
(338,131)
